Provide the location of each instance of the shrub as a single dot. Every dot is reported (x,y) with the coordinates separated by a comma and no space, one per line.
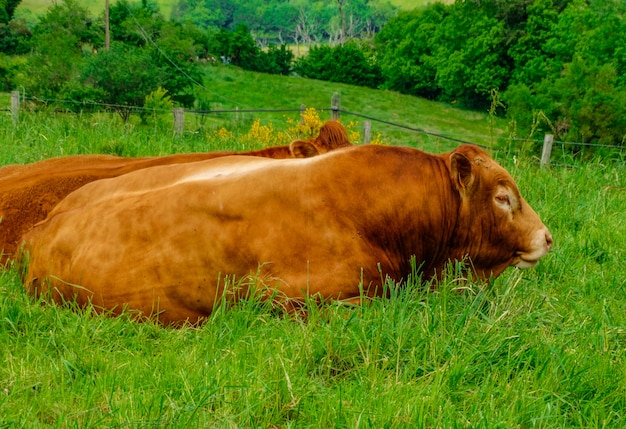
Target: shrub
(156,105)
(349,63)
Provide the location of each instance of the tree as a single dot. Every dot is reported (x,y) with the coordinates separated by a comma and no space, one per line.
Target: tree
(58,42)
(69,19)
(277,60)
(471,56)
(14,37)
(406,49)
(349,63)
(175,58)
(121,77)
(342,16)
(135,24)
(574,75)
(242,49)
(7,9)
(532,57)
(593,107)
(274,21)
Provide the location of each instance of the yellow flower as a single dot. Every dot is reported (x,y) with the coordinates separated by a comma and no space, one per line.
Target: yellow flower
(261,134)
(223,134)
(308,126)
(378,140)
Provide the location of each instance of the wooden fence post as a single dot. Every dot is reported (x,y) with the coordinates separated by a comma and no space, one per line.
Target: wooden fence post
(302,112)
(334,107)
(547,150)
(179,120)
(15,106)
(367,132)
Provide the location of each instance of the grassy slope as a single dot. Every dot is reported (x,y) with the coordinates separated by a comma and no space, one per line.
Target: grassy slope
(235,88)
(539,348)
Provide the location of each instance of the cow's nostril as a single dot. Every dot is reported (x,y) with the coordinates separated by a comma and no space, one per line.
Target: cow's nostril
(549,240)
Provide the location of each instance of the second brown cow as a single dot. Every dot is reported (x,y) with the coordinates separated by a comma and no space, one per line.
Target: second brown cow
(28,192)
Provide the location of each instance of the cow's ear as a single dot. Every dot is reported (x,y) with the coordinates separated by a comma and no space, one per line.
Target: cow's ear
(303,149)
(461,169)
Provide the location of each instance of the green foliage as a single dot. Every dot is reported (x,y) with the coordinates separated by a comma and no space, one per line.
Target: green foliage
(279,21)
(276,60)
(408,64)
(555,59)
(242,48)
(450,53)
(69,61)
(531,54)
(7,10)
(14,37)
(575,78)
(348,63)
(9,67)
(124,75)
(471,45)
(156,105)
(135,23)
(68,19)
(239,48)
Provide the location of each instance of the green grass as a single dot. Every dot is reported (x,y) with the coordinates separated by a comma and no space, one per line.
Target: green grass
(231,87)
(543,348)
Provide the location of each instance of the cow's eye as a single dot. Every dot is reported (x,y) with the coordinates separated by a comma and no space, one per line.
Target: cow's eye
(503,199)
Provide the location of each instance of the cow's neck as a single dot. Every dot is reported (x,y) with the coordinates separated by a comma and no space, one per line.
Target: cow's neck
(416,216)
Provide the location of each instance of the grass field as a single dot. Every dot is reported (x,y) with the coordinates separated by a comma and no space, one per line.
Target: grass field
(544,348)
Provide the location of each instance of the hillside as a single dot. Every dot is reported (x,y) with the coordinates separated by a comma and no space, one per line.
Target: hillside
(230,88)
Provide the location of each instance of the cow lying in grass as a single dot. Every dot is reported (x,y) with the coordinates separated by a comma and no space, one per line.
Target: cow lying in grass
(168,241)
(29,192)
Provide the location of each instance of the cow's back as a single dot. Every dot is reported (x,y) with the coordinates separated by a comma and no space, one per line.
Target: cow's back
(28,192)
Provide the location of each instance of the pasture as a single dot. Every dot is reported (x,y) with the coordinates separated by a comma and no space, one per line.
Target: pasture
(541,348)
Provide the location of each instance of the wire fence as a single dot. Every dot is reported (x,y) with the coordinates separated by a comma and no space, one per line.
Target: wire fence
(55,105)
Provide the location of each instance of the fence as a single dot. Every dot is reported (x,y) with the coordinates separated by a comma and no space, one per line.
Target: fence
(335,114)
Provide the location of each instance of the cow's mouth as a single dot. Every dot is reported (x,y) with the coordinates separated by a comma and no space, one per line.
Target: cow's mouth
(524,264)
(525,260)
(540,246)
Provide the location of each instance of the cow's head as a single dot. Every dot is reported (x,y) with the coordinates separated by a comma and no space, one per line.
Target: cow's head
(497,227)
(332,136)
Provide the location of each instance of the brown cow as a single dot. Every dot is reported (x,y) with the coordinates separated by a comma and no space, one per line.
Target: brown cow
(167,241)
(29,192)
